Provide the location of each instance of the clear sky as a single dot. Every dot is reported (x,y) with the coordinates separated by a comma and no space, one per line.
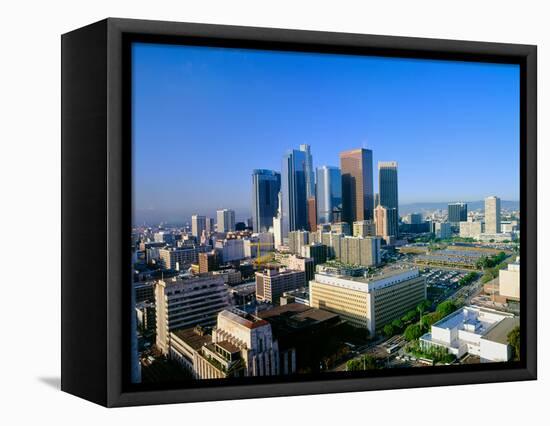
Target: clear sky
(204,117)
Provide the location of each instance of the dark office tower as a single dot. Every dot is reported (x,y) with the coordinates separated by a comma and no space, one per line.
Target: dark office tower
(376,199)
(387,190)
(357,187)
(311,214)
(310,176)
(329,194)
(266,185)
(293,188)
(457,212)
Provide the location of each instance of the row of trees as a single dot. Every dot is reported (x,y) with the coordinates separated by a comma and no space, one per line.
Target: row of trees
(410,317)
(485,262)
(414,331)
(468,278)
(366,362)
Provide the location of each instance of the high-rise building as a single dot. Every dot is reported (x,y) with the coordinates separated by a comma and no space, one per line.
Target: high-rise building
(266,185)
(278,223)
(386,222)
(341,228)
(352,250)
(210,228)
(296,240)
(456,213)
(311,214)
(294,192)
(198,225)
(364,228)
(186,302)
(209,262)
(387,188)
(271,284)
(492,215)
(178,258)
(226,220)
(357,185)
(315,251)
(414,218)
(368,303)
(441,230)
(329,194)
(309,173)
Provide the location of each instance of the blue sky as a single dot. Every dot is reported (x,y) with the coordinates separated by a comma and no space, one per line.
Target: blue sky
(204,117)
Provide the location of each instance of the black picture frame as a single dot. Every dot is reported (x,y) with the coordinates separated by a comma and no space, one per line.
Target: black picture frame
(96,208)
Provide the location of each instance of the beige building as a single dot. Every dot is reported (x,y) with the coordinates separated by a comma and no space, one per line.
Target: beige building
(187,302)
(271,284)
(178,258)
(509,282)
(241,345)
(471,229)
(363,251)
(492,215)
(386,223)
(364,228)
(369,303)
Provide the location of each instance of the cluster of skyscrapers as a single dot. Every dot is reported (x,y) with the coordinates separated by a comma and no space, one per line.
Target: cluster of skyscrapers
(301,198)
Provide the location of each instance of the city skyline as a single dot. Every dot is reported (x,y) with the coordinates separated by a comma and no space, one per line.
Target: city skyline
(172,80)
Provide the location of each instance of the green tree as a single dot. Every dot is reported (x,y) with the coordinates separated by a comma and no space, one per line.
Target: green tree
(409,316)
(513,340)
(366,362)
(413,332)
(445,308)
(397,324)
(388,330)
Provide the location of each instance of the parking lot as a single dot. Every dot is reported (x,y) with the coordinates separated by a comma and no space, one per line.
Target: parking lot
(441,283)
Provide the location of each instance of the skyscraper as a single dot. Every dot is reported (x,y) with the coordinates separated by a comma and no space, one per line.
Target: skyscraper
(357,186)
(492,215)
(386,222)
(198,225)
(294,194)
(278,223)
(457,212)
(266,185)
(311,214)
(226,220)
(329,194)
(387,188)
(309,174)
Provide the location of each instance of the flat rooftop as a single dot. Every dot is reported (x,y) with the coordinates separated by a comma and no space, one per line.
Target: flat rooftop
(191,337)
(242,318)
(499,333)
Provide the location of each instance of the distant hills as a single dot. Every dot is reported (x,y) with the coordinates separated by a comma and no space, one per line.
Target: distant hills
(472,205)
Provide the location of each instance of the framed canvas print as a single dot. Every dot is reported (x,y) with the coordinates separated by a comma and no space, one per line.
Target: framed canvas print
(255,212)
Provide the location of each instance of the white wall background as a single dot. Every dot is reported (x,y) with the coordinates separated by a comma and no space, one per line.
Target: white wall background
(30,182)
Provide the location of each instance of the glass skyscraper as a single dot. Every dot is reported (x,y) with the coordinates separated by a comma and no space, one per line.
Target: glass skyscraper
(310,176)
(294,194)
(266,185)
(329,193)
(357,185)
(457,212)
(387,190)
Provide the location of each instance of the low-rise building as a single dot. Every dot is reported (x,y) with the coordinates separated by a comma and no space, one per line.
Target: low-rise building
(473,330)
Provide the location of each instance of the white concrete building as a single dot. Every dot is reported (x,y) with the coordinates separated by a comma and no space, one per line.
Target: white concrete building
(473,330)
